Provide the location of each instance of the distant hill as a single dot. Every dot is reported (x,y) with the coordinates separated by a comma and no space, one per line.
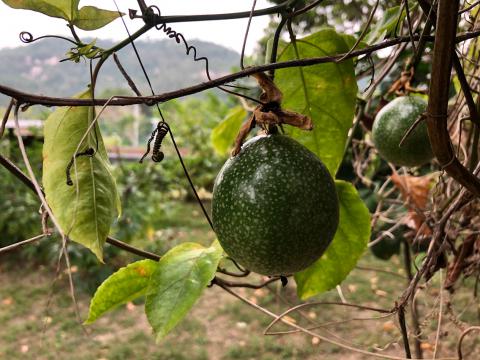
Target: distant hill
(36,67)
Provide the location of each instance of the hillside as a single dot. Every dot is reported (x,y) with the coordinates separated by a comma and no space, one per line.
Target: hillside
(37,67)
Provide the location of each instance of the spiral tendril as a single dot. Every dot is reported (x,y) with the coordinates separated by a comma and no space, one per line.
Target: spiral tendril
(27,38)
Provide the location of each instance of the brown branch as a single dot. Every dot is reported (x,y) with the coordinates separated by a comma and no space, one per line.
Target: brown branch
(407,258)
(403,327)
(33,99)
(460,340)
(443,51)
(222,282)
(5,117)
(127,77)
(14,170)
(21,243)
(132,249)
(474,116)
(472,108)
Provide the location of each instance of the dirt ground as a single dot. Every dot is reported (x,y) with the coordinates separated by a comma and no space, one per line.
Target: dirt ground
(39,322)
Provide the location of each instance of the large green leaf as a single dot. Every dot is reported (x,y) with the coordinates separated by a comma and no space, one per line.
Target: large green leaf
(325,92)
(64,9)
(224,134)
(350,242)
(85,210)
(92,18)
(182,275)
(127,284)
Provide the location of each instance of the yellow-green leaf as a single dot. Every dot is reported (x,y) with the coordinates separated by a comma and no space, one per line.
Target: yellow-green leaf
(64,9)
(87,209)
(92,18)
(127,284)
(325,92)
(177,283)
(224,134)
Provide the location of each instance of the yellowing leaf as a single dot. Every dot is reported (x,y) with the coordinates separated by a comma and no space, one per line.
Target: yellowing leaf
(92,18)
(325,92)
(224,134)
(127,284)
(85,210)
(64,9)
(179,280)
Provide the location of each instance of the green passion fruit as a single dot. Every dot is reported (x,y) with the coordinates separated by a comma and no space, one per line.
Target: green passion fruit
(390,245)
(390,126)
(275,208)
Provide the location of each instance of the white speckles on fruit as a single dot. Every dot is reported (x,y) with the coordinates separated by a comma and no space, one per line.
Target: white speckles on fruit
(390,126)
(275,208)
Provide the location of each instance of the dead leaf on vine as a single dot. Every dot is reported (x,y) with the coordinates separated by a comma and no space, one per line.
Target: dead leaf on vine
(415,191)
(270,112)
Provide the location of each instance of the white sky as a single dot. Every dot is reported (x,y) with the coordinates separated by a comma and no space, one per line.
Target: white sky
(227,33)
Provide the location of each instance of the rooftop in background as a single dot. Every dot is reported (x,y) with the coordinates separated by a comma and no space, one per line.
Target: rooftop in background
(32,127)
(27,126)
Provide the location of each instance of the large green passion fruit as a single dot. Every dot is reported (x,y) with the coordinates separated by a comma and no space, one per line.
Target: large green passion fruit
(275,207)
(390,126)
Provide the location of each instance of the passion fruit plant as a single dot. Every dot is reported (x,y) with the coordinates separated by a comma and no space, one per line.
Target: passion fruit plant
(280,205)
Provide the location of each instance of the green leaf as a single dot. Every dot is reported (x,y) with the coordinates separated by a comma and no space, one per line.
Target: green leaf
(325,92)
(92,18)
(182,275)
(127,284)
(85,210)
(386,25)
(64,9)
(224,134)
(350,242)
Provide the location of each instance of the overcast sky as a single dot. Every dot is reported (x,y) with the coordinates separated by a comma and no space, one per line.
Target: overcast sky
(227,33)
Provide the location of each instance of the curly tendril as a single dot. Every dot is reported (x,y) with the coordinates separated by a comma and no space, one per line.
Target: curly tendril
(27,38)
(154,12)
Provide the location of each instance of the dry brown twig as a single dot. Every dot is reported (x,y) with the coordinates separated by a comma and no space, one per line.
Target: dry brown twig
(270,112)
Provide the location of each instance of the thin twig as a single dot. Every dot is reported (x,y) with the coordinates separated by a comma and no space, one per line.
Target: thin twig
(246,34)
(223,282)
(5,117)
(311,333)
(362,35)
(364,268)
(440,313)
(41,195)
(409,24)
(126,76)
(403,327)
(21,243)
(468,8)
(460,340)
(14,170)
(132,249)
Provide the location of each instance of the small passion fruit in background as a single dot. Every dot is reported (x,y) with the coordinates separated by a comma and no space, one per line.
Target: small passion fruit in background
(390,126)
(275,208)
(390,243)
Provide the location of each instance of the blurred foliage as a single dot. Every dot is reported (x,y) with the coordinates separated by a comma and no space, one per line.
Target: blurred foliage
(19,209)
(344,15)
